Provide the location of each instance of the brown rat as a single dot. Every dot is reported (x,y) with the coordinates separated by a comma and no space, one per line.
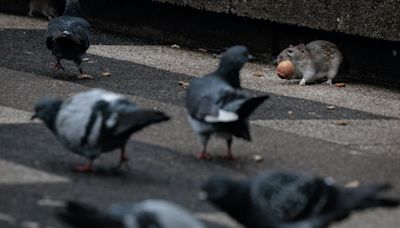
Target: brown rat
(317,60)
(46,7)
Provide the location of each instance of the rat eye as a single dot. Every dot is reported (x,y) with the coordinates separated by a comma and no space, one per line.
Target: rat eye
(289,51)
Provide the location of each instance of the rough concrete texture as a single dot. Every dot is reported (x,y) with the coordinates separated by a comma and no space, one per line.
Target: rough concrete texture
(375,19)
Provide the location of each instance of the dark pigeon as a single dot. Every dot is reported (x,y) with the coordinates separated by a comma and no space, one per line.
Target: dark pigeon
(146,214)
(93,122)
(291,199)
(217,104)
(68,36)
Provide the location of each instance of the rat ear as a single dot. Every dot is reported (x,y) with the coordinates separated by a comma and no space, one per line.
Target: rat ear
(301,46)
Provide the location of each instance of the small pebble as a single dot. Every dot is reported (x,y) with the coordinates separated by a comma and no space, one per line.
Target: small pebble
(175,46)
(258,158)
(202,50)
(331,107)
(290,112)
(352,184)
(183,84)
(106,74)
(85,59)
(85,76)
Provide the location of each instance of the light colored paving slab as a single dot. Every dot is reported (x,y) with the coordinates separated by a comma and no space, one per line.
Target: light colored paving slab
(8,21)
(374,136)
(10,115)
(366,98)
(13,174)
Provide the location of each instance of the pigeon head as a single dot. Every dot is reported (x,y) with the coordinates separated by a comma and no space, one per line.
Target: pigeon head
(46,109)
(226,193)
(232,62)
(72,8)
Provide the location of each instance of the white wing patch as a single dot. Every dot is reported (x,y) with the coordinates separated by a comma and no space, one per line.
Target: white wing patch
(109,97)
(223,116)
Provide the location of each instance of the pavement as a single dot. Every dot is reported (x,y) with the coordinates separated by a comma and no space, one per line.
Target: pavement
(348,133)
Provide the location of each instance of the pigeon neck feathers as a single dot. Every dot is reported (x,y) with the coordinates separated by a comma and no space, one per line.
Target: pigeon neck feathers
(47,109)
(72,8)
(228,195)
(229,74)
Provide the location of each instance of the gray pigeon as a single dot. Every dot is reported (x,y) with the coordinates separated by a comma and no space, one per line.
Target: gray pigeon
(217,104)
(93,122)
(291,199)
(146,214)
(68,36)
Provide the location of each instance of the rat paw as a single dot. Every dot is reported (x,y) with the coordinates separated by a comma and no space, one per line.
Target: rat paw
(302,82)
(328,82)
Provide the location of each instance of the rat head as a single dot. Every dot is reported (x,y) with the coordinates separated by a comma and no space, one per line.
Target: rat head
(46,109)
(293,53)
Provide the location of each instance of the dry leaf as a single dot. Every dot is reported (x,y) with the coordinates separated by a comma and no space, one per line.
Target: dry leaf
(342,122)
(340,85)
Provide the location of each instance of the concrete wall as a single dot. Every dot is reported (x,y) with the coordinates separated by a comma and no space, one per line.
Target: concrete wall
(369,18)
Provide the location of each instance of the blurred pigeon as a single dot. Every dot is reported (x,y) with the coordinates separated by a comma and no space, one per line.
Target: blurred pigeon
(68,36)
(217,104)
(146,214)
(94,122)
(291,199)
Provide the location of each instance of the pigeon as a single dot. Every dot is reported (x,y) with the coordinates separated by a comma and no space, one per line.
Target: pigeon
(95,121)
(284,199)
(146,214)
(67,36)
(217,104)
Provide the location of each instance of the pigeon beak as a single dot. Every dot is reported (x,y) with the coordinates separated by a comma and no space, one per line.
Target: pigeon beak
(202,195)
(34,116)
(250,57)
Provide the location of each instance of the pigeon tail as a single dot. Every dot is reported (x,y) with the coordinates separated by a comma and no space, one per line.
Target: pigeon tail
(250,105)
(79,215)
(73,8)
(134,121)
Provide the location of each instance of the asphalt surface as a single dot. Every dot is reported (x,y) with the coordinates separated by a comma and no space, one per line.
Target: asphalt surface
(293,130)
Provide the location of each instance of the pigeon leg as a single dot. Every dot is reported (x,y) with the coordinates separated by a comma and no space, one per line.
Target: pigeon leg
(123,159)
(86,168)
(78,62)
(229,155)
(203,154)
(58,66)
